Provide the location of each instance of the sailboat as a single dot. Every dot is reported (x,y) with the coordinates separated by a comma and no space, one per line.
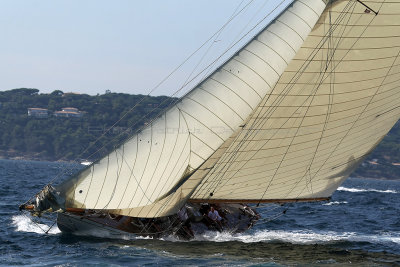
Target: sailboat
(286,119)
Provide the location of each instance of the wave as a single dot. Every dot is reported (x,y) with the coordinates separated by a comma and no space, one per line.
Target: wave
(335,203)
(299,237)
(357,190)
(25,224)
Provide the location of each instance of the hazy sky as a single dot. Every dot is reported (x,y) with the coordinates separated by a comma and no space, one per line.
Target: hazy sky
(89,46)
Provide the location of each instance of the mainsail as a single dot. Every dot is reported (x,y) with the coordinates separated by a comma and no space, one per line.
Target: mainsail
(288,117)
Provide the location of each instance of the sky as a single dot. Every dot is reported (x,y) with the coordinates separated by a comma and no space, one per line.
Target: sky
(125,46)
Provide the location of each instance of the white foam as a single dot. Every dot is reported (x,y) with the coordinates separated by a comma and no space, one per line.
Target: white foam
(357,190)
(25,224)
(299,237)
(335,203)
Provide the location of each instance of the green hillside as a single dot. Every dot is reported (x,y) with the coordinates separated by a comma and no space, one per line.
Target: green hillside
(67,138)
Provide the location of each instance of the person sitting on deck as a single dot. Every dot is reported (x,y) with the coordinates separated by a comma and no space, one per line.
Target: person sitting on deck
(214,216)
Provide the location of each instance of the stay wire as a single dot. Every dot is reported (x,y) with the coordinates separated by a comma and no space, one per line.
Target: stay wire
(251,132)
(259,22)
(65,170)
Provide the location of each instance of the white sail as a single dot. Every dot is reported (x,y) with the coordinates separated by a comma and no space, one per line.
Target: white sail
(144,177)
(333,104)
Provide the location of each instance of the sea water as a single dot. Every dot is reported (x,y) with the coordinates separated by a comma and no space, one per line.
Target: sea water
(360,226)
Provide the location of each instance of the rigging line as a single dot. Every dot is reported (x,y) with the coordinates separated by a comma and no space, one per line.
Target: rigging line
(215,60)
(168,76)
(292,172)
(36,223)
(119,169)
(330,63)
(65,170)
(237,36)
(175,147)
(375,91)
(360,142)
(347,133)
(176,92)
(216,37)
(131,172)
(331,96)
(102,185)
(176,140)
(90,184)
(181,171)
(163,206)
(368,8)
(145,166)
(51,226)
(313,133)
(288,147)
(156,166)
(387,111)
(281,96)
(248,134)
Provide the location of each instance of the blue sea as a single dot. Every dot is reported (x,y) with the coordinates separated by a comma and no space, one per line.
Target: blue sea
(359,226)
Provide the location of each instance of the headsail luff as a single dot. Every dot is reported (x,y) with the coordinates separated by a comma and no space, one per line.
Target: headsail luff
(333,104)
(138,179)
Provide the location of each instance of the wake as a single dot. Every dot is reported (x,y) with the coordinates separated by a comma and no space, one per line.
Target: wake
(358,190)
(300,237)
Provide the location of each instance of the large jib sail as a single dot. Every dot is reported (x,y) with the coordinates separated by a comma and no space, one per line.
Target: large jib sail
(286,118)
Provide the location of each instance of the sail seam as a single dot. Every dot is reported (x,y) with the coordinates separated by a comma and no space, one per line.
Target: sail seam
(281,97)
(289,27)
(324,171)
(308,25)
(330,61)
(356,60)
(365,105)
(131,172)
(205,126)
(104,179)
(208,92)
(360,140)
(233,74)
(310,8)
(213,113)
(230,89)
(160,155)
(276,52)
(255,72)
(341,93)
(357,144)
(145,167)
(266,62)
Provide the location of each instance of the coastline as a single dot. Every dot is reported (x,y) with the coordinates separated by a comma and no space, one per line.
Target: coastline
(14,155)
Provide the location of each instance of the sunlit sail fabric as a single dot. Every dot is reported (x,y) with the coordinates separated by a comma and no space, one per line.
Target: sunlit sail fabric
(144,177)
(334,103)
